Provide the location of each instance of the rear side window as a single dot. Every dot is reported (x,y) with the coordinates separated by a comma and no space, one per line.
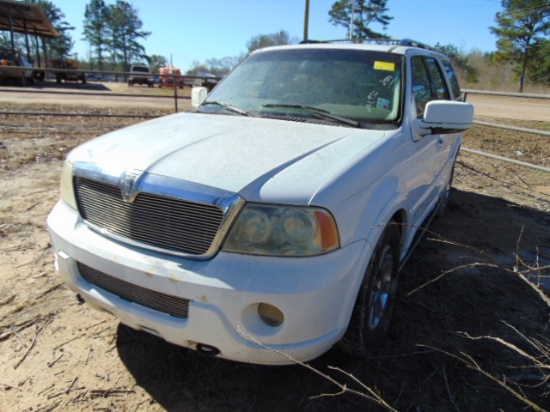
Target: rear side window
(451,74)
(428,83)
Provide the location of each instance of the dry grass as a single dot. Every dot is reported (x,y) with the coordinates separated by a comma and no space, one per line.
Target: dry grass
(527,147)
(460,342)
(495,77)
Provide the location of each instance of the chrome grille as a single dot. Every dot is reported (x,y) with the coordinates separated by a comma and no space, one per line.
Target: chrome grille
(162,302)
(158,221)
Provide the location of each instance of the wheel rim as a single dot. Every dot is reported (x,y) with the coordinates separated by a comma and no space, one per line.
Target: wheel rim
(381,287)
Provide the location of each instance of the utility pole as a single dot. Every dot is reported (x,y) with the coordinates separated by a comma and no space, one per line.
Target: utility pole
(306,21)
(351,22)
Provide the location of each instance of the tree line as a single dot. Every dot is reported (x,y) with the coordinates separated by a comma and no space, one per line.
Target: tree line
(113,31)
(522,29)
(115,34)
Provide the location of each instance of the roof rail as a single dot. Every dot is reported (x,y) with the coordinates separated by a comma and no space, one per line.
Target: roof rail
(381,41)
(414,43)
(309,41)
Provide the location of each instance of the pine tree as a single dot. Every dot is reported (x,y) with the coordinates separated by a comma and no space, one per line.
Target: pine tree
(538,69)
(520,26)
(95,28)
(123,34)
(362,14)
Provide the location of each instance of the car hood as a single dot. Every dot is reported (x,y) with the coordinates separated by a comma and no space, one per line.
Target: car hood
(261,159)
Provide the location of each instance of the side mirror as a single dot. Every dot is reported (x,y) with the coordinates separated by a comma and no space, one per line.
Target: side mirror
(443,117)
(198,95)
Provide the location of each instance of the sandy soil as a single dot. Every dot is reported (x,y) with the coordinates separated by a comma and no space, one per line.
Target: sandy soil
(470,326)
(510,107)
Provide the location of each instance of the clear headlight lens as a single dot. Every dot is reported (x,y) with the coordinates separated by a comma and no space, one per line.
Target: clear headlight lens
(283,231)
(67,190)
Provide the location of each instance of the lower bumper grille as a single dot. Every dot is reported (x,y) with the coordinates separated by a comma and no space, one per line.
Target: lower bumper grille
(162,302)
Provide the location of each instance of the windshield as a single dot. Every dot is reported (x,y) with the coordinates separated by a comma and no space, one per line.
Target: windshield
(364,86)
(140,69)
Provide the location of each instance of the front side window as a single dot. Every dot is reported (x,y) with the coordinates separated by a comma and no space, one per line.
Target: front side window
(428,83)
(363,86)
(438,81)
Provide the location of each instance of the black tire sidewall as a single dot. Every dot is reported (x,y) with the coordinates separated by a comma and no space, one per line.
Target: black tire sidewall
(359,339)
(374,337)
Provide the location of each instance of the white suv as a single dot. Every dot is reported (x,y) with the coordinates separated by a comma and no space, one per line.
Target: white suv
(277,215)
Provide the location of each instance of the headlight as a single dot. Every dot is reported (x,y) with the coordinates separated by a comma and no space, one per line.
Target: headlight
(283,231)
(67,190)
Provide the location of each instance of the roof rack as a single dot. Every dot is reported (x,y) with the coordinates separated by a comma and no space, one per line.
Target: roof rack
(381,41)
(414,43)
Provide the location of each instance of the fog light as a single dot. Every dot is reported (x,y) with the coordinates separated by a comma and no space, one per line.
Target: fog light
(270,314)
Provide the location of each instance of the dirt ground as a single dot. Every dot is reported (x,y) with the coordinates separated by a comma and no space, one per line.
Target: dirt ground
(470,329)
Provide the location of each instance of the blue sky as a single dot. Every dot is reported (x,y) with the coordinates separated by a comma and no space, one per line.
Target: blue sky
(196,30)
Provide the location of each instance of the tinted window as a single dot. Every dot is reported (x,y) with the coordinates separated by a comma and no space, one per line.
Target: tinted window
(438,81)
(453,79)
(428,83)
(421,85)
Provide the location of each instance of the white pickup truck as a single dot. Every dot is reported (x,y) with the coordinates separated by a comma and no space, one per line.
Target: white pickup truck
(275,217)
(140,74)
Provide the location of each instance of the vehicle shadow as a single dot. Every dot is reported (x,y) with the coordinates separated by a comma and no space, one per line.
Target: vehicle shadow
(451,291)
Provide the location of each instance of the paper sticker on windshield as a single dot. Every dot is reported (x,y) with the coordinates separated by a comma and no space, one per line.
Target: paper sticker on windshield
(388,66)
(383,103)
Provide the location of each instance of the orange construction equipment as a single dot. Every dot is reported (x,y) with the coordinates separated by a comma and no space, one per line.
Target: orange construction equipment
(168,75)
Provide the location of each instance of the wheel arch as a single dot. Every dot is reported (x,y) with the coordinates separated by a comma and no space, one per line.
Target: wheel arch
(391,205)
(397,216)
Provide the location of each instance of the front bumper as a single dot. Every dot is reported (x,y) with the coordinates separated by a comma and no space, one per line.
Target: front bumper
(315,294)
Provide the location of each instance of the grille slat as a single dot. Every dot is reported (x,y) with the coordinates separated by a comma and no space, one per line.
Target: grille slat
(161,302)
(162,222)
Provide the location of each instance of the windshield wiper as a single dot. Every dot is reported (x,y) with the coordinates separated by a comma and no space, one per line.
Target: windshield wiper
(316,112)
(228,107)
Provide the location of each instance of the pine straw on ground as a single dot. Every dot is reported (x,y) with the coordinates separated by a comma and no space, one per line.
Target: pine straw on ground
(470,329)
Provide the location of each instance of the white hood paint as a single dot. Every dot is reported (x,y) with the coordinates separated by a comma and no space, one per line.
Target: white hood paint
(261,159)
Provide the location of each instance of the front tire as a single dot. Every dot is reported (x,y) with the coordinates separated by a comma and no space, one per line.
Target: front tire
(371,314)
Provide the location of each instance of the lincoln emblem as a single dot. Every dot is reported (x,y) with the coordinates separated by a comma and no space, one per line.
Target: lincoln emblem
(129,182)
